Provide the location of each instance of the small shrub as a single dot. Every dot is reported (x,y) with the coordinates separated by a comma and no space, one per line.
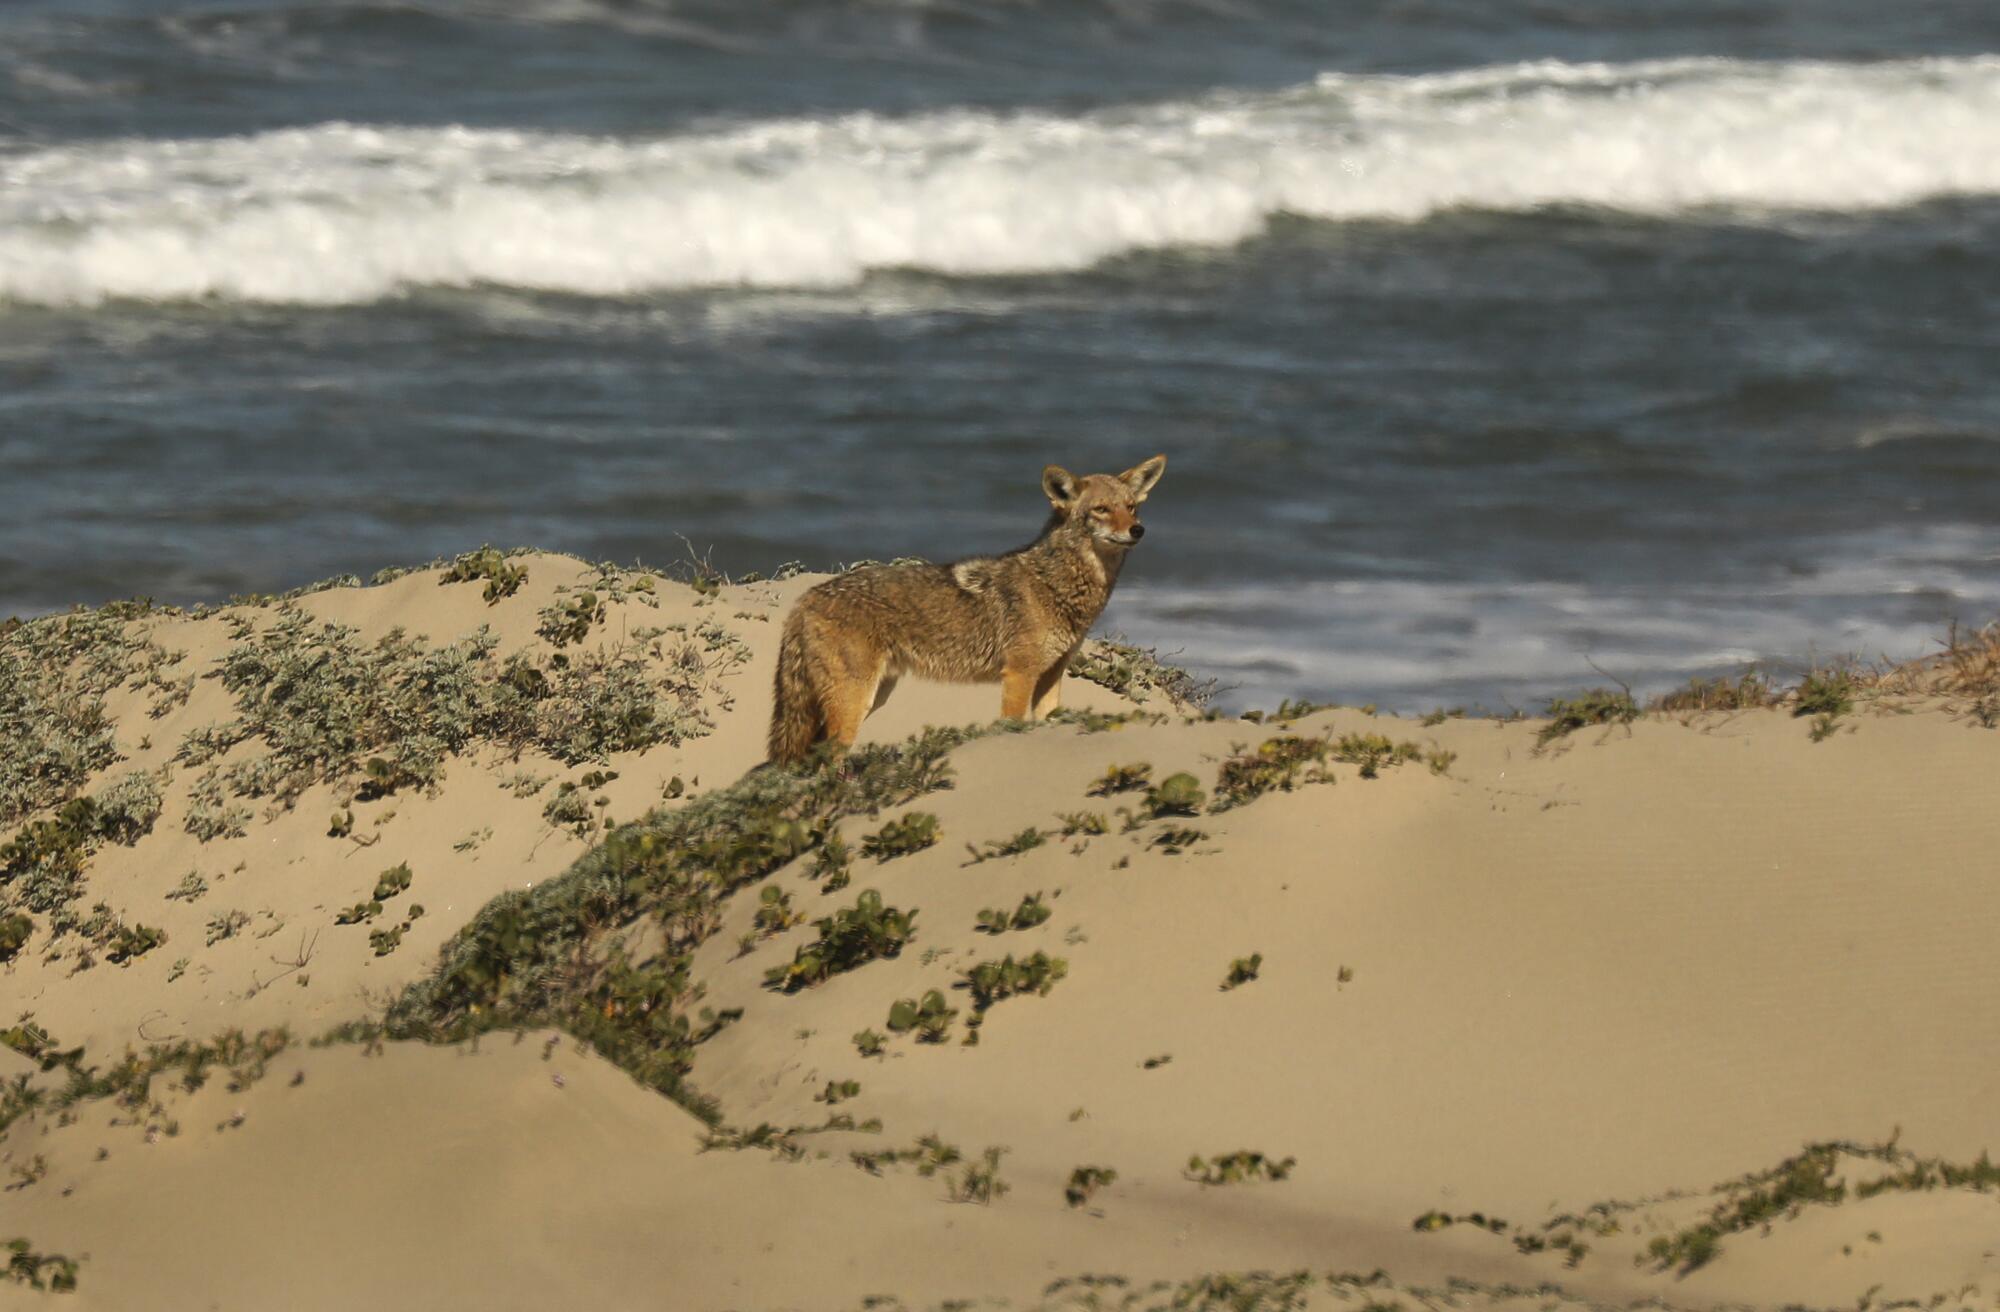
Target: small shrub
(913,833)
(385,941)
(1133,672)
(46,1271)
(191,887)
(869,1043)
(226,925)
(837,1091)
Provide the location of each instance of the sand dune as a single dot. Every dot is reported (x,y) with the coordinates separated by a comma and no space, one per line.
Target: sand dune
(1619,971)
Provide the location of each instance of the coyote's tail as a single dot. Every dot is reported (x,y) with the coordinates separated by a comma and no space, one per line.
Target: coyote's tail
(796,718)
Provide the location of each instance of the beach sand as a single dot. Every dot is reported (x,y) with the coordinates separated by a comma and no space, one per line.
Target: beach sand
(1576,988)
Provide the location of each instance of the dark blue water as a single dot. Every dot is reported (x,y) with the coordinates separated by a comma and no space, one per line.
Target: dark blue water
(1491,345)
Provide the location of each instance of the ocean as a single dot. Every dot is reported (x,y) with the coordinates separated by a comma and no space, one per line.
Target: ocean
(1499,348)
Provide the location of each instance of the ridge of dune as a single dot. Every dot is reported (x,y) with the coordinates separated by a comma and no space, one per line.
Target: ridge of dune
(1499,1011)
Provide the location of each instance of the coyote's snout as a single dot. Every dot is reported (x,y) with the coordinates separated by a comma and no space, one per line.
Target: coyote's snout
(1015,619)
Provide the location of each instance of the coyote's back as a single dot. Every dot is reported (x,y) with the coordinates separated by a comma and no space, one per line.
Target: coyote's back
(1015,619)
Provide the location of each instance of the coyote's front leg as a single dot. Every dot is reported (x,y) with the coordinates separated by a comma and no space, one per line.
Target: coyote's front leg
(1048,688)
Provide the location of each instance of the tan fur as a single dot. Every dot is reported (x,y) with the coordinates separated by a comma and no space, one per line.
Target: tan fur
(1015,619)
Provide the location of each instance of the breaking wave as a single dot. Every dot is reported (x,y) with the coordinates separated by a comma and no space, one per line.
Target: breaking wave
(338,213)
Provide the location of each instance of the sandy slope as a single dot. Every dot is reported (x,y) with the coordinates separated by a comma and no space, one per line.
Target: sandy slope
(1642,961)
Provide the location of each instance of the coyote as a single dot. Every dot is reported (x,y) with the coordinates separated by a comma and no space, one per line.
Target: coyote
(1015,619)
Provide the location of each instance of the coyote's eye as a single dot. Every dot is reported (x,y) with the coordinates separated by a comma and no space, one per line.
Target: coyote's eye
(1100,511)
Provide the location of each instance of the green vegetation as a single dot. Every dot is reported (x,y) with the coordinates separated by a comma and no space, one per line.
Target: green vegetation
(1087,824)
(1026,841)
(930,1016)
(1177,794)
(913,833)
(42,867)
(774,911)
(1374,753)
(1031,912)
(1281,763)
(134,941)
(47,1271)
(1826,695)
(556,954)
(837,1092)
(1747,692)
(1137,672)
(1085,1181)
(1240,1167)
(865,932)
(502,579)
(992,981)
(328,707)
(1242,971)
(566,622)
(1597,706)
(1122,779)
(15,930)
(55,673)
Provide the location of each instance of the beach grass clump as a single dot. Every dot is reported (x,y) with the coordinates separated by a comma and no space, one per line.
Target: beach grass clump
(993,981)
(1597,706)
(1374,752)
(1826,695)
(867,931)
(1129,778)
(1136,673)
(1748,691)
(557,954)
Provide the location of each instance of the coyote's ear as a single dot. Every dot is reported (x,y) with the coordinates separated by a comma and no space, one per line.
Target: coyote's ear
(1060,485)
(1141,477)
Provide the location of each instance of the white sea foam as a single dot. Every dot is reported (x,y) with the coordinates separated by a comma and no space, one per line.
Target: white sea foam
(342,214)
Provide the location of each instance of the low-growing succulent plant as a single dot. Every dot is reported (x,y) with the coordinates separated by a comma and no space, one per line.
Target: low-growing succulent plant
(863,933)
(1025,841)
(1088,824)
(1242,971)
(15,931)
(837,1091)
(1122,779)
(1175,839)
(991,981)
(1177,794)
(385,941)
(913,833)
(566,622)
(869,1043)
(1240,1167)
(134,941)
(392,881)
(502,579)
(1085,1181)
(1278,763)
(930,1016)
(1031,912)
(774,911)
(980,1182)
